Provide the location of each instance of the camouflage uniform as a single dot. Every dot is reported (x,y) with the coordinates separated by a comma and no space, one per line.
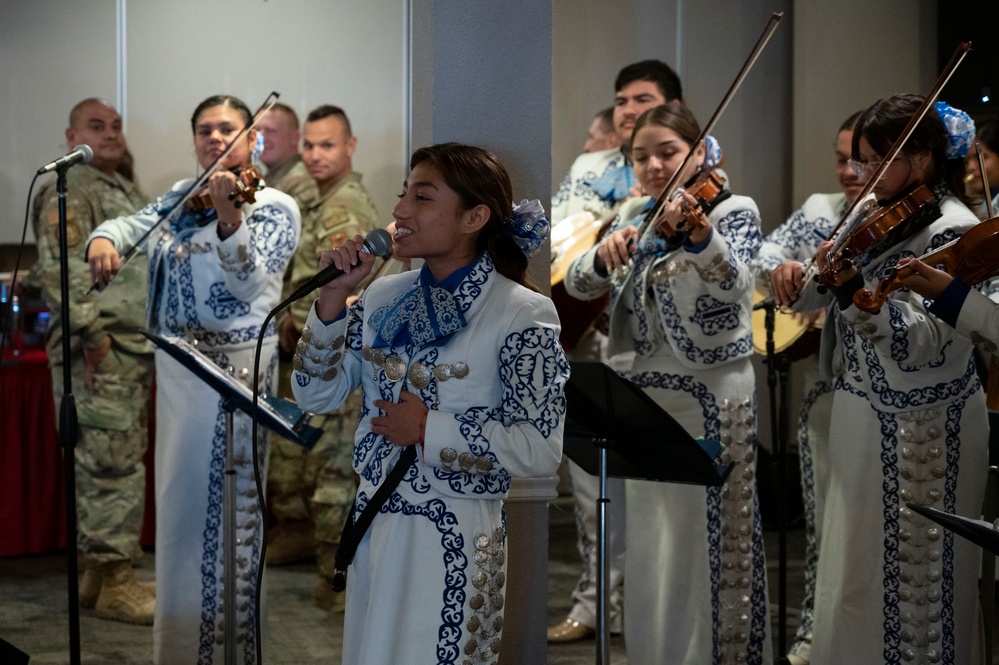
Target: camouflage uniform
(110,475)
(319,485)
(293,179)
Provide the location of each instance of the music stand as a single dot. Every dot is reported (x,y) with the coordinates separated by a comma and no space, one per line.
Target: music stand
(614,429)
(274,413)
(980,533)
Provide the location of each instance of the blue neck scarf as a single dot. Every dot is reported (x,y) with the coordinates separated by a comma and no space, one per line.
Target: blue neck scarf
(615,183)
(425,315)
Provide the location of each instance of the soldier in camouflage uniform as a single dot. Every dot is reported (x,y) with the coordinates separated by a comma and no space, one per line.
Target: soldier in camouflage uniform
(285,170)
(319,486)
(111,366)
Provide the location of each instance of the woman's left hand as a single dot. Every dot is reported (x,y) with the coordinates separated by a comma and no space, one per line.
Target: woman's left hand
(925,280)
(220,185)
(403,422)
(683,214)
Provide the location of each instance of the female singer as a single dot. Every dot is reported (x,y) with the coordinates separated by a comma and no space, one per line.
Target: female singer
(695,589)
(909,422)
(797,239)
(462,378)
(214,276)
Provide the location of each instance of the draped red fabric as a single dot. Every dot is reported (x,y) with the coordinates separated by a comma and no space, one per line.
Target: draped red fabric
(32,504)
(32,500)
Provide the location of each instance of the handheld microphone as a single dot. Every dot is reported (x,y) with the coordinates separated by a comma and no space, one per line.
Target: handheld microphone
(81,154)
(378,242)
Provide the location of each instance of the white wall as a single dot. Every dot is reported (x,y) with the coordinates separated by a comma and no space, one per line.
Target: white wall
(52,54)
(706,42)
(56,52)
(847,55)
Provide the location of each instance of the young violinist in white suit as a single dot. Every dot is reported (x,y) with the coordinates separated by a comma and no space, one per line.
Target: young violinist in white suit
(909,417)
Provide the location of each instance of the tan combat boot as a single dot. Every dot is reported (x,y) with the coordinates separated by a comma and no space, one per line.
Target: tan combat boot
(122,597)
(90,587)
(327,599)
(291,542)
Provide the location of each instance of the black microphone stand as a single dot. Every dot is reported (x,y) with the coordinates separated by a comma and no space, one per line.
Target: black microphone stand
(778,370)
(68,428)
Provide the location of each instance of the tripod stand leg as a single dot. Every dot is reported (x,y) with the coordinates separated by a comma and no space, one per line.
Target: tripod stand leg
(603,567)
(229,542)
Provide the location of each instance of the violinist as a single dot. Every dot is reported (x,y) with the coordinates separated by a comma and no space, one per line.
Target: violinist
(987,137)
(797,239)
(597,183)
(695,589)
(909,417)
(969,311)
(215,274)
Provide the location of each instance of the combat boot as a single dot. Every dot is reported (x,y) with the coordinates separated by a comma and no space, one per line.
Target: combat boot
(327,599)
(291,542)
(122,598)
(90,587)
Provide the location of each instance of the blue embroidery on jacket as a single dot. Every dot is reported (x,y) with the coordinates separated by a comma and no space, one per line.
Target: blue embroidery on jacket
(225,305)
(890,564)
(714,316)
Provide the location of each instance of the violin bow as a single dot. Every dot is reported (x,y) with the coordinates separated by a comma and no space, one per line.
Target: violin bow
(985,181)
(671,186)
(199,182)
(844,230)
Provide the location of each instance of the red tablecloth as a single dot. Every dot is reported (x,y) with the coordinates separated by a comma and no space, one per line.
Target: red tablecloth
(32,504)
(32,501)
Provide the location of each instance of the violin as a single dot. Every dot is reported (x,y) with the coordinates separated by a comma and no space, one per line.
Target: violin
(874,228)
(247,183)
(670,189)
(708,188)
(970,258)
(845,228)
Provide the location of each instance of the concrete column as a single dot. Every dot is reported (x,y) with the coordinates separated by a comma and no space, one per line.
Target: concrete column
(481,73)
(526,617)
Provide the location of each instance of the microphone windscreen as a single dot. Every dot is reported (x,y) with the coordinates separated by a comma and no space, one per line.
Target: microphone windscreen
(379,242)
(88,154)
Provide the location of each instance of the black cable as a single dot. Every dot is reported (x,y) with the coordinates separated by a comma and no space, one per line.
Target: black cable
(6,315)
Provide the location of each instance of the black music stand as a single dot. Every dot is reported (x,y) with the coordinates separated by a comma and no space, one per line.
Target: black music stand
(980,533)
(614,429)
(278,415)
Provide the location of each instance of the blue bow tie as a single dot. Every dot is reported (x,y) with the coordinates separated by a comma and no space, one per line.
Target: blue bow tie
(423,316)
(615,183)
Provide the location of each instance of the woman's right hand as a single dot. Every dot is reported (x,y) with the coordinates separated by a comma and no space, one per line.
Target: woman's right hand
(786,281)
(615,250)
(104,262)
(355,264)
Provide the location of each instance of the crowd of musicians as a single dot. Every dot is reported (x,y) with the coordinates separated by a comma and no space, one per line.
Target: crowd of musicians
(439,371)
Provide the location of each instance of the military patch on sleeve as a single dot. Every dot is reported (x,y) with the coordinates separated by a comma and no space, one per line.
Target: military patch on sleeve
(336,218)
(73,233)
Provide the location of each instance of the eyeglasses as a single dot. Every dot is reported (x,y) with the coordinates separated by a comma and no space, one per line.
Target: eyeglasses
(865,170)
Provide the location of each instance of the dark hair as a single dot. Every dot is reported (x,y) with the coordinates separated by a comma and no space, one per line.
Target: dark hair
(657,72)
(850,122)
(988,135)
(478,178)
(222,100)
(883,123)
(288,111)
(672,116)
(326,111)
